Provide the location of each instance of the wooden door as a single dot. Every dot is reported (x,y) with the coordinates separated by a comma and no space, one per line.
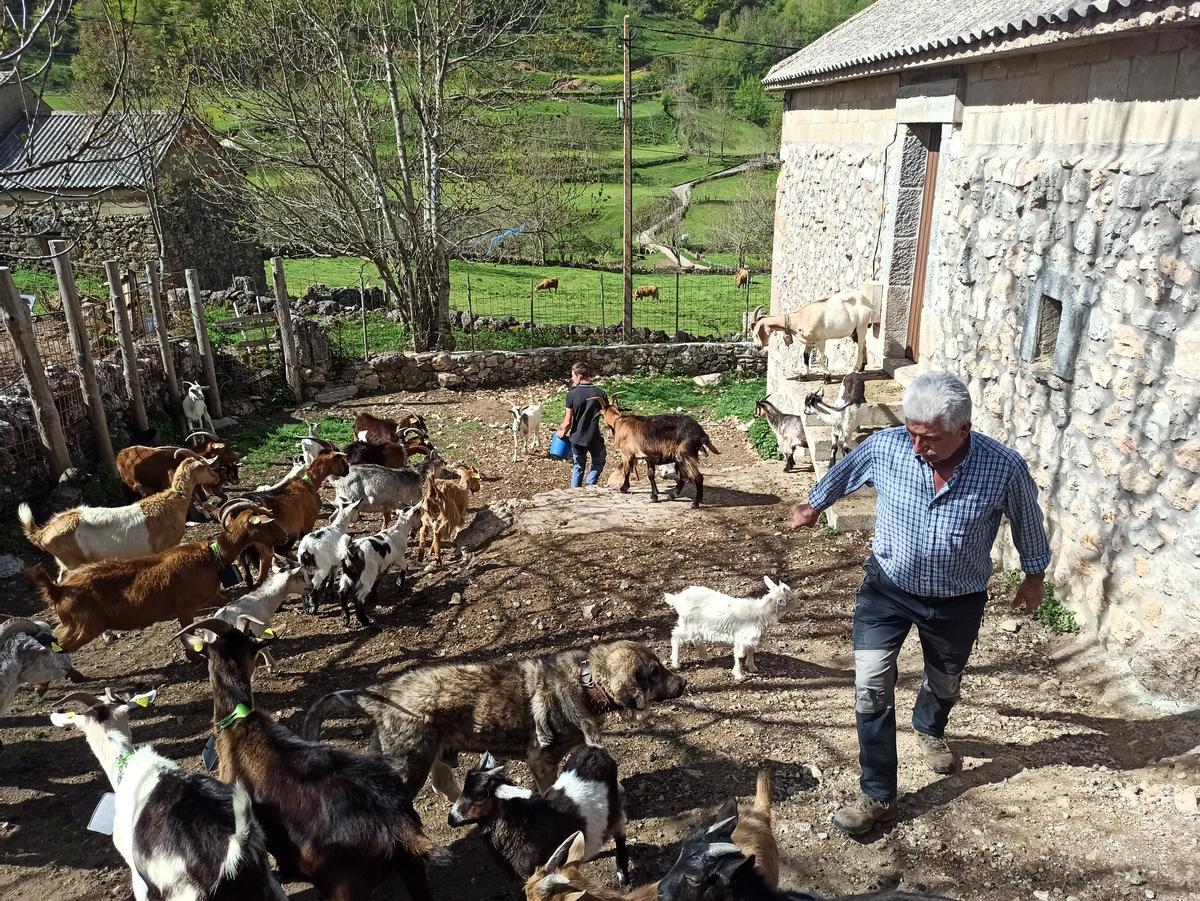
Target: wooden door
(912,349)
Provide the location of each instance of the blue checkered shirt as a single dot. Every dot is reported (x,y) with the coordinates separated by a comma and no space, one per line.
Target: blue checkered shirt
(939,545)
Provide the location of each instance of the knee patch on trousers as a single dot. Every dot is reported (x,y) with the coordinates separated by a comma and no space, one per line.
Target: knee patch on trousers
(874,680)
(942,685)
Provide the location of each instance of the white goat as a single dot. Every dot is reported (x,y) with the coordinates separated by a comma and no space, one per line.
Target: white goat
(365,560)
(252,612)
(167,822)
(708,615)
(195,409)
(845,416)
(526,427)
(788,429)
(30,656)
(309,448)
(319,553)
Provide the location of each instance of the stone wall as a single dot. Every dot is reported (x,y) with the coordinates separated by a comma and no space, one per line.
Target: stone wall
(494,369)
(1065,290)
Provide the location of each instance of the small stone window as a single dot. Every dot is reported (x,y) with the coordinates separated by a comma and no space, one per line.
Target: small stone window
(1055,322)
(1049,322)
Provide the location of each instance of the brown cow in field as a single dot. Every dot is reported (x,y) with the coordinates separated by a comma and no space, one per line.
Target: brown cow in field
(646,291)
(741,278)
(548,284)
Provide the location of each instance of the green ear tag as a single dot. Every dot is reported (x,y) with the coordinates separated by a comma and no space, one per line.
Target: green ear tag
(56,647)
(198,647)
(268,633)
(143,702)
(70,714)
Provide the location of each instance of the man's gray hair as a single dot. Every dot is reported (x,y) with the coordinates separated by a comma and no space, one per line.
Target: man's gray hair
(938,397)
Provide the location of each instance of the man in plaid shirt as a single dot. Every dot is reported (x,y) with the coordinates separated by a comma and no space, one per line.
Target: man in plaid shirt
(942,490)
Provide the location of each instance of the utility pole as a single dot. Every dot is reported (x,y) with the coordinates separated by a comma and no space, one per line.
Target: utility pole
(627,123)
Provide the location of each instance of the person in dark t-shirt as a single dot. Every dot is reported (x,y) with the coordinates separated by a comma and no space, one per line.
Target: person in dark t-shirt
(581,423)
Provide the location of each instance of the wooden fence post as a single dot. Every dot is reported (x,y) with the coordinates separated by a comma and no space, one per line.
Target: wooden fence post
(20,330)
(532,289)
(82,349)
(133,384)
(677,303)
(154,287)
(603,322)
(470,313)
(213,399)
(287,335)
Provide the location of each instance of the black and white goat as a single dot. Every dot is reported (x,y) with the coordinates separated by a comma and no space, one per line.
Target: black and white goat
(29,655)
(254,609)
(844,415)
(710,867)
(788,429)
(185,837)
(365,560)
(320,552)
(524,828)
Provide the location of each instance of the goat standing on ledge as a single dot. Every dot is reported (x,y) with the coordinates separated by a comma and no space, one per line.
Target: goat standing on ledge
(663,439)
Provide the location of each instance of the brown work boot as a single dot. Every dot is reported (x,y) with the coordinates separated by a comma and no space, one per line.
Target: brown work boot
(937,753)
(861,814)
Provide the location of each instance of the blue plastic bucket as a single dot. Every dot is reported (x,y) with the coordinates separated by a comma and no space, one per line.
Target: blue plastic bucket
(560,448)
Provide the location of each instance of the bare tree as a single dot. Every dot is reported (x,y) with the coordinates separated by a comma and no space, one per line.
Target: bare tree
(747,225)
(360,129)
(114,131)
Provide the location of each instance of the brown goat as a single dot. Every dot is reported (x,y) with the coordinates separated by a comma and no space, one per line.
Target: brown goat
(741,278)
(445,509)
(134,594)
(393,455)
(374,430)
(646,291)
(663,439)
(148,470)
(564,879)
(548,284)
(295,505)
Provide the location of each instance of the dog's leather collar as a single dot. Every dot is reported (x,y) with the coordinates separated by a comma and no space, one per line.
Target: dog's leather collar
(599,701)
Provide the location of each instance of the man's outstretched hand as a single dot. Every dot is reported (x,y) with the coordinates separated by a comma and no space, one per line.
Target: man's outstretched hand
(1031,592)
(804,516)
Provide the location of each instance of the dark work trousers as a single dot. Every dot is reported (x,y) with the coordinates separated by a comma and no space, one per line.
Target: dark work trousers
(947,627)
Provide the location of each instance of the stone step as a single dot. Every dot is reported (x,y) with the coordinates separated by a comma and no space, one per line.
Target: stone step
(855,513)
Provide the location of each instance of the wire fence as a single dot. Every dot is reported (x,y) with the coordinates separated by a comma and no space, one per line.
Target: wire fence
(586,309)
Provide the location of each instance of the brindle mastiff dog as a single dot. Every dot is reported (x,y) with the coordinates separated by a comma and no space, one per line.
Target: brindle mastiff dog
(537,708)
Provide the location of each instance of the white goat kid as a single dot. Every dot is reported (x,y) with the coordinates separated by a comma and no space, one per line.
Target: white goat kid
(195,409)
(166,820)
(252,612)
(319,553)
(526,427)
(706,615)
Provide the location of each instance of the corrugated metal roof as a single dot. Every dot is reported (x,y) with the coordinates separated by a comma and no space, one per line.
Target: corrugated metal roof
(891,29)
(66,151)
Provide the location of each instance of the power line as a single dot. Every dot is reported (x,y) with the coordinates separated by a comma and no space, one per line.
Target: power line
(713,37)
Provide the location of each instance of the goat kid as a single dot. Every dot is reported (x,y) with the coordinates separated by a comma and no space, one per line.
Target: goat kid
(253,610)
(319,553)
(90,534)
(365,560)
(562,877)
(526,427)
(195,409)
(29,655)
(444,511)
(706,615)
(184,836)
(788,429)
(134,594)
(844,416)
(523,827)
(339,820)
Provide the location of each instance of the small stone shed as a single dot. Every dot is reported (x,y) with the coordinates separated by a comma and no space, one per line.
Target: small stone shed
(1021,180)
(77,176)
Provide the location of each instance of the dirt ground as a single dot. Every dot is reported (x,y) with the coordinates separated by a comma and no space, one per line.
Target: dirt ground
(1064,793)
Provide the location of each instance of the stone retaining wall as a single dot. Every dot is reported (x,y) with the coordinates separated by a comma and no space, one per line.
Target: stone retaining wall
(495,369)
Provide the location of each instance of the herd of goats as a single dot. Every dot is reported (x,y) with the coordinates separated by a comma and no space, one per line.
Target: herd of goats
(340,820)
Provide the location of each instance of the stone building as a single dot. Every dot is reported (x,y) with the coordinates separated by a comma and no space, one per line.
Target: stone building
(1021,181)
(72,175)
